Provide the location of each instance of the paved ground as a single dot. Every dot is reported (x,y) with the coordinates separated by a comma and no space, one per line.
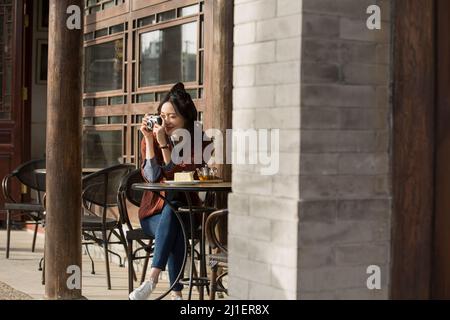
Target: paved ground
(21,273)
(8,293)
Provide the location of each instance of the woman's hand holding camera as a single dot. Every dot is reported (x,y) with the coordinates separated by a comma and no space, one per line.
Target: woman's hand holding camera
(144,129)
(158,131)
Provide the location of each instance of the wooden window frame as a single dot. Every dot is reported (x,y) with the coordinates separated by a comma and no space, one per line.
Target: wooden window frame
(129,13)
(108,93)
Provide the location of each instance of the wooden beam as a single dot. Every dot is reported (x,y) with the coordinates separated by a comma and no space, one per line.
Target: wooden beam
(441,256)
(413,148)
(221,65)
(219,19)
(63,226)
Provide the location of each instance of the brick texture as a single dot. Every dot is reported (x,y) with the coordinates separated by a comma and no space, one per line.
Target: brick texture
(312,69)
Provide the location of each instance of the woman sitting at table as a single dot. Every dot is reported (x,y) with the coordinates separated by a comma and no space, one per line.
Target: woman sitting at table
(177,111)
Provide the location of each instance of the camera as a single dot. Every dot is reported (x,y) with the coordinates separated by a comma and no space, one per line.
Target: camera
(152,120)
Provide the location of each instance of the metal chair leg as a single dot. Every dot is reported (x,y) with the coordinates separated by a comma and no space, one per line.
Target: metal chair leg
(144,270)
(40,264)
(90,257)
(199,287)
(123,241)
(131,272)
(43,271)
(105,246)
(121,238)
(33,246)
(203,270)
(8,232)
(212,294)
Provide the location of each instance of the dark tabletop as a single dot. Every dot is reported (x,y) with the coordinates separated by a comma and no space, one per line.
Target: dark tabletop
(83,170)
(200,187)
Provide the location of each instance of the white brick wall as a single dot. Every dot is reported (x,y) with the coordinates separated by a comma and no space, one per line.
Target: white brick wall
(263,223)
(312,69)
(345,157)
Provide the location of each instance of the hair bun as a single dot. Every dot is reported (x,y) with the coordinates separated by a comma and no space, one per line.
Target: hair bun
(178,87)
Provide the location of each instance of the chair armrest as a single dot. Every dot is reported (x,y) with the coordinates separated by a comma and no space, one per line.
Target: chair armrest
(85,203)
(5,188)
(210,226)
(87,208)
(44,200)
(123,210)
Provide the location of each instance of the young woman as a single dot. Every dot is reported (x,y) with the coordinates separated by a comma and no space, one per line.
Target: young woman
(177,111)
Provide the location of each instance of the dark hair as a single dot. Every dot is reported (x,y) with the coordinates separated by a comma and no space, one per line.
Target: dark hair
(183,105)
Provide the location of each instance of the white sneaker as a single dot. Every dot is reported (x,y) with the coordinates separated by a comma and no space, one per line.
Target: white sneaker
(143,292)
(175,298)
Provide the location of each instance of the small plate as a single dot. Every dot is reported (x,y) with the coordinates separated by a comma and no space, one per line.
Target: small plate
(211,181)
(173,182)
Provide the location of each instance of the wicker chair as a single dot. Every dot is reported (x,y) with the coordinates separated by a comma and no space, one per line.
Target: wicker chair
(219,260)
(127,194)
(35,210)
(100,191)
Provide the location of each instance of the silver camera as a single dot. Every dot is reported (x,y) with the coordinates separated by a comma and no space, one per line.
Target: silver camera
(152,120)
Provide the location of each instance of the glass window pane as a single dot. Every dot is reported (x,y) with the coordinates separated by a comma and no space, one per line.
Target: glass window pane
(139,118)
(102,149)
(202,33)
(101,33)
(88,121)
(169,55)
(103,66)
(116,120)
(146,21)
(192,93)
(146,97)
(89,102)
(99,102)
(165,16)
(188,11)
(89,36)
(116,29)
(201,69)
(101,120)
(161,95)
(108,4)
(116,101)
(133,138)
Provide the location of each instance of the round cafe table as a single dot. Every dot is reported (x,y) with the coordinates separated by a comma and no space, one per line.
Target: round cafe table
(84,171)
(157,188)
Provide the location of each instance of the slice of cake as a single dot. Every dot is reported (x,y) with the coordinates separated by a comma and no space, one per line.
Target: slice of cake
(184,176)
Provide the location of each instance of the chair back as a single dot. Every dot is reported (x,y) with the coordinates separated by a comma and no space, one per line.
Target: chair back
(101,188)
(211,229)
(28,177)
(126,193)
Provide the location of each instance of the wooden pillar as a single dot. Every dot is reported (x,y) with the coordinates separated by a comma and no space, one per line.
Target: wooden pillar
(220,69)
(441,254)
(63,227)
(413,148)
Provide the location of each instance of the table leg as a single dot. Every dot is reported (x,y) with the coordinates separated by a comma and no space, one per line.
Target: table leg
(203,272)
(183,229)
(191,222)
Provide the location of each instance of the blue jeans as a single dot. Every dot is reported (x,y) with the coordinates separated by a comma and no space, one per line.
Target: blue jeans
(169,242)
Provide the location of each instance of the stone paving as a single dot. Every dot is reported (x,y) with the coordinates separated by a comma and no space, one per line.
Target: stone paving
(21,279)
(8,293)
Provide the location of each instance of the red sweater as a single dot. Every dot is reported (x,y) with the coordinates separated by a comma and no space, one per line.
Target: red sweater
(152,203)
